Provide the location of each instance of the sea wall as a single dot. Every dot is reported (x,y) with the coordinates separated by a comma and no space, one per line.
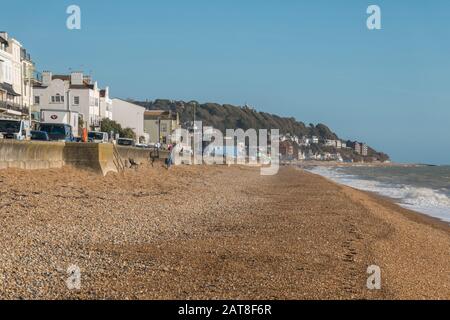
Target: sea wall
(98,158)
(138,155)
(31,155)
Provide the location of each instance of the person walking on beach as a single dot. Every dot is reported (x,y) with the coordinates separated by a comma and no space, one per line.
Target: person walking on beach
(169,160)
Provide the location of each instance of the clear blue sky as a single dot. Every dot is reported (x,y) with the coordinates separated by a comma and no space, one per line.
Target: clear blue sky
(313,60)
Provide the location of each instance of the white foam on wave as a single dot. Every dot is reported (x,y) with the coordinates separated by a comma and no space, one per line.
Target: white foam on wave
(425,200)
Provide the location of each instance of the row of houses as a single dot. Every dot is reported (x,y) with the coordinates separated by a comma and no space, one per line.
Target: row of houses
(17,77)
(25,93)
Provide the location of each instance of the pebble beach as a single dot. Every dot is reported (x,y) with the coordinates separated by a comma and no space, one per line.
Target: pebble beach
(211,232)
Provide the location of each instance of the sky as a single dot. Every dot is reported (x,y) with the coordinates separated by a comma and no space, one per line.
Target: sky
(313,60)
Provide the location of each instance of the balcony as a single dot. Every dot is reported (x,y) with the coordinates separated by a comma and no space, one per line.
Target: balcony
(11,106)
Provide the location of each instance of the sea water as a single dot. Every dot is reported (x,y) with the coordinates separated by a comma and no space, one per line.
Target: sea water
(424,189)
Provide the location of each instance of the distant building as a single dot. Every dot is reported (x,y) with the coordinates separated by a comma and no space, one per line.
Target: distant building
(105,105)
(160,125)
(287,150)
(361,149)
(305,142)
(330,143)
(129,115)
(338,144)
(357,148)
(314,140)
(364,150)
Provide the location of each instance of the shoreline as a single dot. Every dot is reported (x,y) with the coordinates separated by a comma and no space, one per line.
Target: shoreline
(385,197)
(391,204)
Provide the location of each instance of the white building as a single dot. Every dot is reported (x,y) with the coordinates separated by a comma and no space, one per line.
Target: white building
(74,92)
(314,140)
(16,78)
(129,115)
(105,104)
(338,144)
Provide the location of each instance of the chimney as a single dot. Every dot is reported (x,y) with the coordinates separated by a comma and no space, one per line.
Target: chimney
(46,78)
(87,79)
(76,78)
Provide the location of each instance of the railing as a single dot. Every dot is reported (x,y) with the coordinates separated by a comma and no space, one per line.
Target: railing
(14,107)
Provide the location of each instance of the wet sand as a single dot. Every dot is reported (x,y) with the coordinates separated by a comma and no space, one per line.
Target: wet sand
(211,233)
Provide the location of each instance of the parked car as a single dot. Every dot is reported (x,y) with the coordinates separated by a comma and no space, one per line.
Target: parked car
(98,137)
(58,132)
(142,146)
(39,136)
(126,142)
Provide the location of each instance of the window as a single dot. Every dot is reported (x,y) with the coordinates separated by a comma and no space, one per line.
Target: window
(57,99)
(164,127)
(76,100)
(37,100)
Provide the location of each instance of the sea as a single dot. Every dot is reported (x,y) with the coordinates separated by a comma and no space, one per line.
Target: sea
(424,189)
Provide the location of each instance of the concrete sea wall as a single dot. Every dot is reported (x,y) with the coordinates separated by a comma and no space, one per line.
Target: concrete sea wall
(98,158)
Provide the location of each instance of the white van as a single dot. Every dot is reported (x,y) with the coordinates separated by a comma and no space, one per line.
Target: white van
(98,137)
(14,129)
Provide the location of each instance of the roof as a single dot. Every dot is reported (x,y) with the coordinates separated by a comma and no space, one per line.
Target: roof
(160,114)
(9,89)
(85,85)
(3,40)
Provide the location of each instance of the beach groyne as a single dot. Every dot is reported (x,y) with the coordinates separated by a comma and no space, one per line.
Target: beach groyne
(98,158)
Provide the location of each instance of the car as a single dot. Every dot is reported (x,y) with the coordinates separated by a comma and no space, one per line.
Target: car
(58,132)
(126,142)
(39,136)
(142,146)
(98,137)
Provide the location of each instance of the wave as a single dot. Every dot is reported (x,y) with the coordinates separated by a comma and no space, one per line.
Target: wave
(432,202)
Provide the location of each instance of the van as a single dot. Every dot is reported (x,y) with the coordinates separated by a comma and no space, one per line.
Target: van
(58,131)
(14,129)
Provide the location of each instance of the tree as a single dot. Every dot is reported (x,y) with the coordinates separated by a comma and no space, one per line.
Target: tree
(128,133)
(112,126)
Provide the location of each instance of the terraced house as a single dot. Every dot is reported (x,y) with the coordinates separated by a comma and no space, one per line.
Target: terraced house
(17,77)
(76,93)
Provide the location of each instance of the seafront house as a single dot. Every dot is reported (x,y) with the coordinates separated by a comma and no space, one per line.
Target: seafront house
(16,78)
(364,150)
(330,143)
(75,92)
(361,149)
(357,147)
(105,104)
(160,125)
(130,115)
